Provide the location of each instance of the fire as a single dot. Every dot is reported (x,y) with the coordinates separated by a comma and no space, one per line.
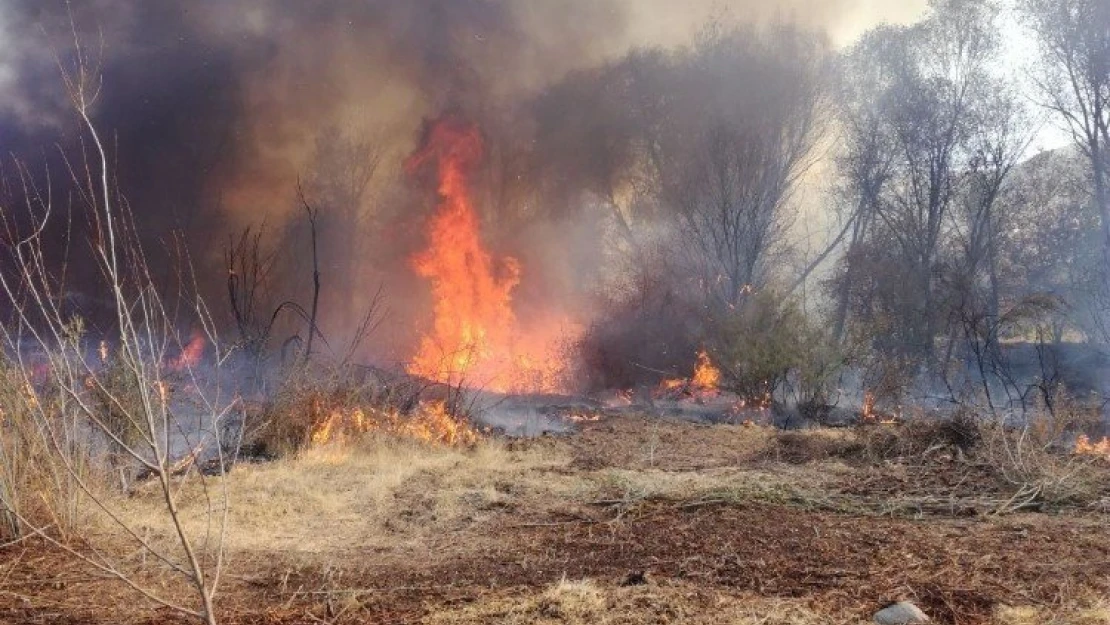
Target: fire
(432,423)
(706,376)
(190,354)
(1084,446)
(869,415)
(475,336)
(706,379)
(868,411)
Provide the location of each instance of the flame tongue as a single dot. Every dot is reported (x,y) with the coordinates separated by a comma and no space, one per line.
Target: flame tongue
(707,377)
(705,381)
(1085,447)
(474,336)
(473,315)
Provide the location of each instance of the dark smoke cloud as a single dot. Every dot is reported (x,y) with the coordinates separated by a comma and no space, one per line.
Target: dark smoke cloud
(220,100)
(236,91)
(214,107)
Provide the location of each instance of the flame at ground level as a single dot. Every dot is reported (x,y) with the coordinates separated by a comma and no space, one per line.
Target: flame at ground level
(431,423)
(706,379)
(475,339)
(1085,447)
(706,375)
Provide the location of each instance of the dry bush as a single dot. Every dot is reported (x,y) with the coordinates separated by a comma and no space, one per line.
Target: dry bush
(767,344)
(814,446)
(346,404)
(958,433)
(640,337)
(283,425)
(36,488)
(45,456)
(116,396)
(1033,465)
(1037,458)
(871,443)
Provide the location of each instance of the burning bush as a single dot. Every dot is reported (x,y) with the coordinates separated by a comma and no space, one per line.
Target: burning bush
(311,410)
(644,335)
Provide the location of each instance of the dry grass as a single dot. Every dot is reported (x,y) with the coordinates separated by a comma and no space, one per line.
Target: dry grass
(587,602)
(389,530)
(1096,612)
(339,497)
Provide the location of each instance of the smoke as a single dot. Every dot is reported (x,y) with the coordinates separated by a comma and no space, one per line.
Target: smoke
(216,108)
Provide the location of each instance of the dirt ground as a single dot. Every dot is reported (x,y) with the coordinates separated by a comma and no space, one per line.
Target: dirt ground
(628,521)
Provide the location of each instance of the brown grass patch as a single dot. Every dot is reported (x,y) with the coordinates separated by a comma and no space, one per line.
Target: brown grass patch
(389,531)
(339,497)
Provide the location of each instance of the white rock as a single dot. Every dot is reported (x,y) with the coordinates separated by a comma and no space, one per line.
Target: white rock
(904,613)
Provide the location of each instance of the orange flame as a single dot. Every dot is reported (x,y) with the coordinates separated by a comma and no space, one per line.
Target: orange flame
(190,354)
(475,336)
(705,381)
(1084,446)
(432,423)
(868,412)
(707,377)
(869,415)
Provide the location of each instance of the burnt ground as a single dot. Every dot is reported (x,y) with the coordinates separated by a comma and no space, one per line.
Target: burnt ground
(840,545)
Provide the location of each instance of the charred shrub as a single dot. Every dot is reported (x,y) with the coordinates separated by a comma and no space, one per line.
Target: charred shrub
(643,335)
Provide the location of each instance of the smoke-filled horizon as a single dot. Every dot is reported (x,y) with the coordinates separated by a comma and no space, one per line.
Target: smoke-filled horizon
(646,172)
(217,110)
(244,88)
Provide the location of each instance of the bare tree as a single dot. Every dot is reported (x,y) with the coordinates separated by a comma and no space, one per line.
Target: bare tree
(144,417)
(249,267)
(734,158)
(866,161)
(999,139)
(599,135)
(339,183)
(1074,38)
(910,138)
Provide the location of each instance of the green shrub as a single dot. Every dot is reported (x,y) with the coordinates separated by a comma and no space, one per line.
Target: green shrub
(768,345)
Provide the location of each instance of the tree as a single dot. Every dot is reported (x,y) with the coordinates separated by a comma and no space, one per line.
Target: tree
(914,125)
(1074,37)
(734,156)
(125,398)
(343,169)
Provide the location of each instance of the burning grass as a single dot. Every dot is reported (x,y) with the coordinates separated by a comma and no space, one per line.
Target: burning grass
(337,409)
(430,423)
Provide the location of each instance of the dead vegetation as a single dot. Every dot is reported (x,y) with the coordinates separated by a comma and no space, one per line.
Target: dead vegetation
(624,522)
